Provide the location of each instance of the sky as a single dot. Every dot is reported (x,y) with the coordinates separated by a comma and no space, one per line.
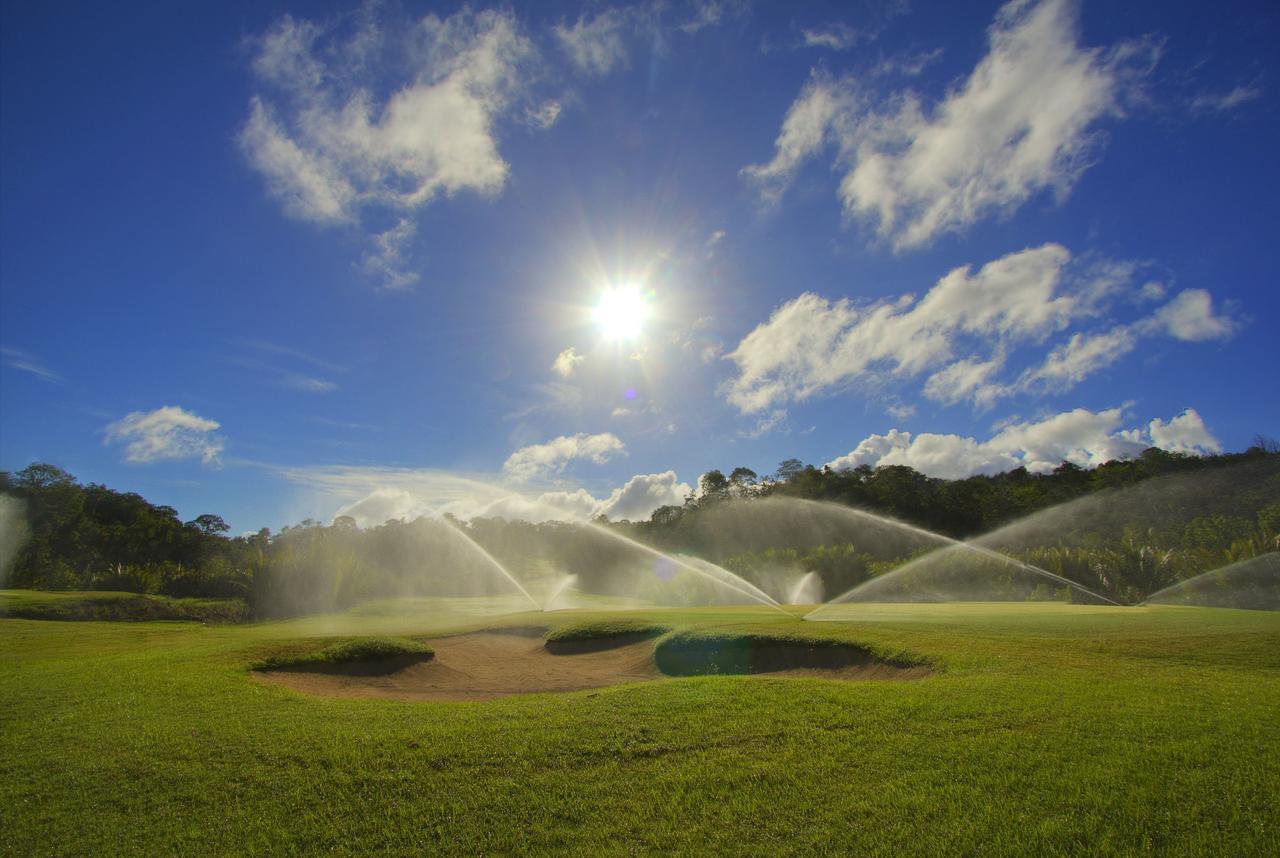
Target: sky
(281,262)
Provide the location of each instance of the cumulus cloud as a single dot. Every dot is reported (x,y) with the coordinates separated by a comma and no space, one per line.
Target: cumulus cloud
(961,332)
(383,505)
(811,345)
(1185,433)
(642,494)
(1081,436)
(406,494)
(328,145)
(635,500)
(1190,317)
(567,362)
(167,433)
(1024,121)
(545,460)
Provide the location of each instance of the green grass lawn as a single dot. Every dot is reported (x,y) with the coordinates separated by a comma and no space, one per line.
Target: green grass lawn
(1047,729)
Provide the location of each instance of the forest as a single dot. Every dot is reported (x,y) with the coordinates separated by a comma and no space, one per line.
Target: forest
(1207,512)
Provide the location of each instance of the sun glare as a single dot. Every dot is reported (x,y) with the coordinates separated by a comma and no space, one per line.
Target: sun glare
(621,313)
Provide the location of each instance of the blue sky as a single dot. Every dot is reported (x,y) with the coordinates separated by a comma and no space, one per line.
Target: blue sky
(278,262)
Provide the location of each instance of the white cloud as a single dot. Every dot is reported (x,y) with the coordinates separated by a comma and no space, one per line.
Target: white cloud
(766,424)
(1185,433)
(306,383)
(1083,437)
(709,13)
(962,332)
(906,65)
(383,505)
(386,260)
(1023,122)
(896,410)
(1078,358)
(594,45)
(1221,102)
(544,460)
(309,186)
(285,377)
(635,500)
(871,450)
(402,494)
(545,115)
(835,37)
(821,112)
(567,362)
(578,504)
(167,433)
(811,345)
(962,379)
(329,146)
(27,362)
(1190,317)
(642,494)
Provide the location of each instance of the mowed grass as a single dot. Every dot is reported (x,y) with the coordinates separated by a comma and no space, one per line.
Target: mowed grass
(1047,729)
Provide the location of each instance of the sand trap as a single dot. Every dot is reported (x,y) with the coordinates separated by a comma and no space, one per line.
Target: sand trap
(486,665)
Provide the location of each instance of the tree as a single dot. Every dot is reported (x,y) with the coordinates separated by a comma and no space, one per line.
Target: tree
(788,469)
(209,524)
(713,485)
(41,475)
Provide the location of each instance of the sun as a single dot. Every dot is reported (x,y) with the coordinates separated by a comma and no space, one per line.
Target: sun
(621,312)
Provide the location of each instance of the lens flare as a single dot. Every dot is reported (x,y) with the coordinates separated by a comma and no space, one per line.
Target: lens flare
(621,313)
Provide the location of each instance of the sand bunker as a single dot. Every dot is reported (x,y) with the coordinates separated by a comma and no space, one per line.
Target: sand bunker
(486,665)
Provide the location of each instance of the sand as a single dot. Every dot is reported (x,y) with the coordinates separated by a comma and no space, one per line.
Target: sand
(487,665)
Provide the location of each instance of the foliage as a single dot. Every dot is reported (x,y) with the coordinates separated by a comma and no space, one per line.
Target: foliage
(118,606)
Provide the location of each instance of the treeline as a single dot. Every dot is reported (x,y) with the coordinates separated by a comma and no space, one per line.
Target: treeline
(767,529)
(960,509)
(90,537)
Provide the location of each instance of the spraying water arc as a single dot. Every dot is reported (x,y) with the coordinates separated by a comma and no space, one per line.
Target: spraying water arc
(1252,584)
(702,568)
(557,594)
(946,544)
(806,591)
(489,558)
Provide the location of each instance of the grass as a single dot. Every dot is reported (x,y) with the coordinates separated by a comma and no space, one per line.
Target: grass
(1047,730)
(614,627)
(105,605)
(355,650)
